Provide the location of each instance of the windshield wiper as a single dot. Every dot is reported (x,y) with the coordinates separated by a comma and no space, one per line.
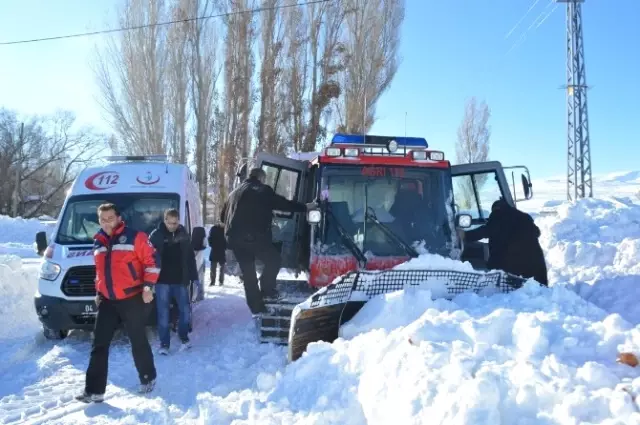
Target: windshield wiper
(347,239)
(390,233)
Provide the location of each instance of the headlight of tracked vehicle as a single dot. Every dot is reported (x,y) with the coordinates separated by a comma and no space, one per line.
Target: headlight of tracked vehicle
(464,221)
(436,156)
(314,216)
(420,155)
(49,270)
(351,152)
(333,152)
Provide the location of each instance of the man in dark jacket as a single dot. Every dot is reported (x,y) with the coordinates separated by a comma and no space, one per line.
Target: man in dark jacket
(513,242)
(247,216)
(178,269)
(126,271)
(217,256)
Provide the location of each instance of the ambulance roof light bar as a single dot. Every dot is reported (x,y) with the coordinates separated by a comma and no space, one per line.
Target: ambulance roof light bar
(138,158)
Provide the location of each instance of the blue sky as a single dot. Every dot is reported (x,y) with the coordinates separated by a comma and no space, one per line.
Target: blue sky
(451,50)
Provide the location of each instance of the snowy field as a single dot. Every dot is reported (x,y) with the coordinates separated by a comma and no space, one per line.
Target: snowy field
(536,356)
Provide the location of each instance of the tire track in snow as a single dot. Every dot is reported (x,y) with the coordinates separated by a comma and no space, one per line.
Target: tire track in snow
(225,358)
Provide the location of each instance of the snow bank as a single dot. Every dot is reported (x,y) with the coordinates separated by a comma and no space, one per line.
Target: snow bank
(539,355)
(17,235)
(17,287)
(595,245)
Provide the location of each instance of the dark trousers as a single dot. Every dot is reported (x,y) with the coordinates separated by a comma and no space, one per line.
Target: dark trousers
(214,264)
(246,255)
(133,313)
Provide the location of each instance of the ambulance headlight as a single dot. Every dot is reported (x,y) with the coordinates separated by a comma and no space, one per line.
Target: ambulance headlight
(49,270)
(314,216)
(419,155)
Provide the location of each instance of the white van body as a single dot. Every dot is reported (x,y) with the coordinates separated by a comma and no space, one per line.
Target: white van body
(142,188)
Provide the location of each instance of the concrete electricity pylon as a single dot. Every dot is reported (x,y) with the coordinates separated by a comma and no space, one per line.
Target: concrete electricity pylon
(579,182)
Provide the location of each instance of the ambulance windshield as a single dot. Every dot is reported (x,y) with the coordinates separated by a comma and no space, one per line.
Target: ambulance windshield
(410,202)
(141,211)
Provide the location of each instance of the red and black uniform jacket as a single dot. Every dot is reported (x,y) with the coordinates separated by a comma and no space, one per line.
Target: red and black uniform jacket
(125,263)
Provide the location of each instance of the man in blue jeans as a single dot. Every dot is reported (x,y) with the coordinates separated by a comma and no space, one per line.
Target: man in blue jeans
(178,269)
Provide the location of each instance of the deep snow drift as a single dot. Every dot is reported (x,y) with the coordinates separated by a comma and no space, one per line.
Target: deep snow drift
(17,287)
(535,356)
(595,244)
(17,235)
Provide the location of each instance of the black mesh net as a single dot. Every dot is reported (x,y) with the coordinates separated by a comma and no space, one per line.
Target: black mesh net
(362,285)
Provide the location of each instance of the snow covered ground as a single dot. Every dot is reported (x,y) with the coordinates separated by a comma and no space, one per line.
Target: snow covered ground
(18,235)
(536,356)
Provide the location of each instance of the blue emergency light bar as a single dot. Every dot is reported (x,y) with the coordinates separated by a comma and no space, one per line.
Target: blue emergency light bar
(359,139)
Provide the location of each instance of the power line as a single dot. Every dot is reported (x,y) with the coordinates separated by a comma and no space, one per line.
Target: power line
(536,22)
(158,24)
(521,19)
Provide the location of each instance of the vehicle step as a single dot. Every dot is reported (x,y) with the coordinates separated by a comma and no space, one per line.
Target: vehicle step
(274,340)
(273,329)
(287,318)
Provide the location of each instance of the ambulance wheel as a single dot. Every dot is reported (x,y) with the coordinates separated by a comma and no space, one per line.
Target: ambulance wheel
(54,334)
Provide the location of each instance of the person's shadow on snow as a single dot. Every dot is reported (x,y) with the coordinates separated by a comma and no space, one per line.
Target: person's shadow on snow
(104,408)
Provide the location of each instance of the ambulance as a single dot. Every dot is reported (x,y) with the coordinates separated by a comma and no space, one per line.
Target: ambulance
(142,187)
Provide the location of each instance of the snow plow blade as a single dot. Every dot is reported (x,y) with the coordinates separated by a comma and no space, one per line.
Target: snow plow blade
(320,316)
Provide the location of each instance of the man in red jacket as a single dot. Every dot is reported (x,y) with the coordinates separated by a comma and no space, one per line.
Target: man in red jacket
(125,273)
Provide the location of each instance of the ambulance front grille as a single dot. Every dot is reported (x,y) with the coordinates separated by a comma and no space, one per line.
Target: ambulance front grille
(79,282)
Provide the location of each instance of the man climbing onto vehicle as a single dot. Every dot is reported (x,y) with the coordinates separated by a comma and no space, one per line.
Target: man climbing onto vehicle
(513,242)
(125,273)
(217,254)
(247,216)
(177,262)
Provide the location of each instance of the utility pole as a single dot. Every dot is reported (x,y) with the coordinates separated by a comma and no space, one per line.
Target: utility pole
(579,182)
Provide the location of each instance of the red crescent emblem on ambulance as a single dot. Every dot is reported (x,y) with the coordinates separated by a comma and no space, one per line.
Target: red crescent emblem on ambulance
(102,180)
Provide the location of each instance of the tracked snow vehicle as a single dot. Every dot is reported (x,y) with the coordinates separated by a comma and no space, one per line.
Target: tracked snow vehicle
(381,201)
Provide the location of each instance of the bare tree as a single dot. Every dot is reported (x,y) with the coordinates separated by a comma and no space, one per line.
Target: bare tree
(131,75)
(372,41)
(473,143)
(313,58)
(268,132)
(296,77)
(326,62)
(204,75)
(238,93)
(474,133)
(39,159)
(178,79)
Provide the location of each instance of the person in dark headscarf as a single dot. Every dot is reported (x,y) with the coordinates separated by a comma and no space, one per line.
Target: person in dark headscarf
(513,242)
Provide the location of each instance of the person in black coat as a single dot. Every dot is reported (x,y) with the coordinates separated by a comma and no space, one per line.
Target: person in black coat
(247,216)
(177,262)
(513,242)
(217,255)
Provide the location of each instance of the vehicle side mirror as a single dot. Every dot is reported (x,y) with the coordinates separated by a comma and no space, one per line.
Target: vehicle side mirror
(526,186)
(463,221)
(314,216)
(41,243)
(198,236)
